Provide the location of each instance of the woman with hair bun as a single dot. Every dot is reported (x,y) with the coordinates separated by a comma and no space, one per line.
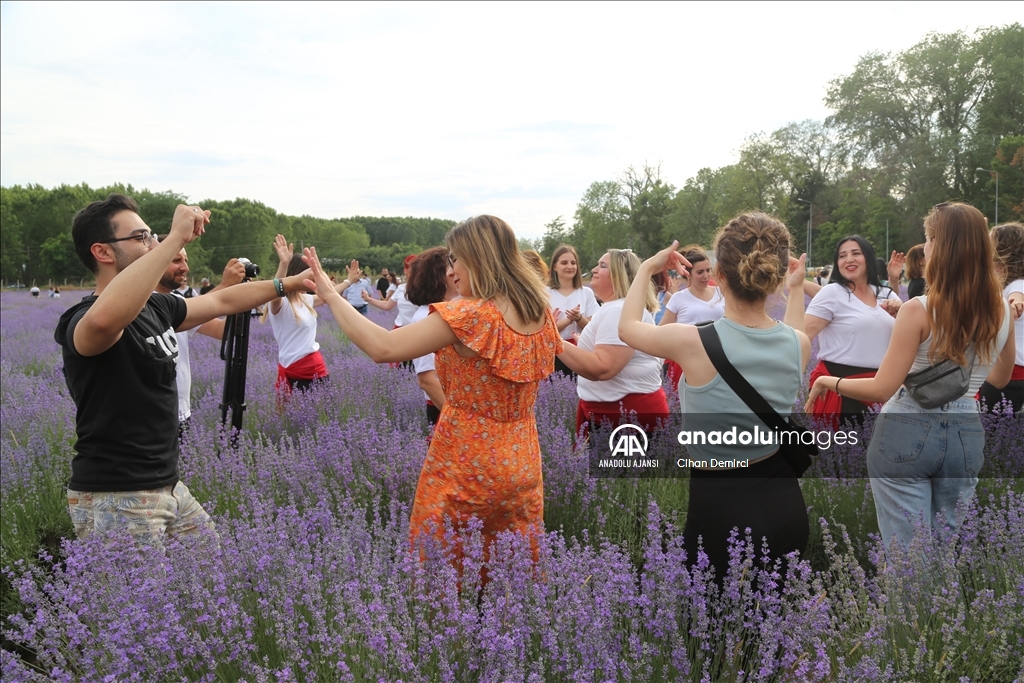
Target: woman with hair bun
(853,318)
(1008,240)
(925,461)
(574,303)
(614,379)
(493,347)
(752,258)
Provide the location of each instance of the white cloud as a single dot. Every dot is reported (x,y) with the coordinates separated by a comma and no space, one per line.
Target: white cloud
(443,110)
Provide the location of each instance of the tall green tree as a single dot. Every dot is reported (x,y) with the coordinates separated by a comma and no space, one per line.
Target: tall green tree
(920,113)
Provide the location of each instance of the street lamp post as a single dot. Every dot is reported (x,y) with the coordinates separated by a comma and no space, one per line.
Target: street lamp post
(810,217)
(996,174)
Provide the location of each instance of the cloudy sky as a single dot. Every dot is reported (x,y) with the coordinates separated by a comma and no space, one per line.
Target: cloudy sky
(444,110)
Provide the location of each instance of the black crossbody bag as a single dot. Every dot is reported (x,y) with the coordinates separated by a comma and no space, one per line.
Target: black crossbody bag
(798,455)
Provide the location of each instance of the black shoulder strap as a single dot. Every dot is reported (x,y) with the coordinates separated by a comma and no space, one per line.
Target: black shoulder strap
(713,345)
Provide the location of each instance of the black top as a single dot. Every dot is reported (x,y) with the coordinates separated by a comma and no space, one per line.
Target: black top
(126,400)
(915,287)
(382,286)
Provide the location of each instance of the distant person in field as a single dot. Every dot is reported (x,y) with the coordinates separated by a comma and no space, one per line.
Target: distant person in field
(205,286)
(355,291)
(35,292)
(170,283)
(397,298)
(383,283)
(915,271)
(573,303)
(120,355)
(293,321)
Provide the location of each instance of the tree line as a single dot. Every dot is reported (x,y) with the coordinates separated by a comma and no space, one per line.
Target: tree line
(908,130)
(36,246)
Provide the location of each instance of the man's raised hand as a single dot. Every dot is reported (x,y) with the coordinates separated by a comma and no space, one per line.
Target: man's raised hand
(188,223)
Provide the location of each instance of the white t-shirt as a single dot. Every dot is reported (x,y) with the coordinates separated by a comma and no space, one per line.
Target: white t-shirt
(406,308)
(183,376)
(582,297)
(295,330)
(857,334)
(691,310)
(1018,324)
(392,287)
(642,374)
(980,372)
(423,363)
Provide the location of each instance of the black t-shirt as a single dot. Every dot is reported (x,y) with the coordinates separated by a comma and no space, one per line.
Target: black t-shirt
(126,400)
(382,286)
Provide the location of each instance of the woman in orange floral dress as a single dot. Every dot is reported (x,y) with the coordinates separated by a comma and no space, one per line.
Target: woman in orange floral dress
(493,347)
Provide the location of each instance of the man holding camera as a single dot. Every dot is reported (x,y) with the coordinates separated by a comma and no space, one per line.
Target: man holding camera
(120,356)
(174,277)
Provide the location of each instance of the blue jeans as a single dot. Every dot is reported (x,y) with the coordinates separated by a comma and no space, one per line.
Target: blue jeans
(923,461)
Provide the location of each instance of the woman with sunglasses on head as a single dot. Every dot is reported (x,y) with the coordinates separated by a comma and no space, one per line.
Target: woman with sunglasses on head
(493,346)
(615,379)
(700,302)
(429,284)
(752,257)
(925,460)
(853,318)
(574,303)
(1008,240)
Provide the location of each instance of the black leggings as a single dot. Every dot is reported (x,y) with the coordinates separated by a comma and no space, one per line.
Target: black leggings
(307,384)
(765,497)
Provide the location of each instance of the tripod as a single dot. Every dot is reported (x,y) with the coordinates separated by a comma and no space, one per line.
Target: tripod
(234,351)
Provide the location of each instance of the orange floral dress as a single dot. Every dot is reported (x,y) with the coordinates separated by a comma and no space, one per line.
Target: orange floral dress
(484,457)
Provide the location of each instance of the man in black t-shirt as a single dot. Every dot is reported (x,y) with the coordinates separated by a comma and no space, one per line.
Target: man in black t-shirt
(383,283)
(120,355)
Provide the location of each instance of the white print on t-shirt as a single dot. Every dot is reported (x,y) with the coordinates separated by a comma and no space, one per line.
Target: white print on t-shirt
(168,342)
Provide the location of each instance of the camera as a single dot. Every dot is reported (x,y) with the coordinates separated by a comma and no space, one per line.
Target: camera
(251,269)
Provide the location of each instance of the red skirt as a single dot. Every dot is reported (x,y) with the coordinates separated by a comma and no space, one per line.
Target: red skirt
(311,366)
(829,406)
(649,408)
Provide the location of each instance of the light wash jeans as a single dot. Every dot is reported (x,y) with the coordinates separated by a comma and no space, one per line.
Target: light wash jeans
(923,461)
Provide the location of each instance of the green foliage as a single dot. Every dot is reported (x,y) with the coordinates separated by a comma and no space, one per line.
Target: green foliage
(907,131)
(35,227)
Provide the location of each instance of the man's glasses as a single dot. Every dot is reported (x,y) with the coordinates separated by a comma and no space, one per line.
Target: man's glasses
(146,237)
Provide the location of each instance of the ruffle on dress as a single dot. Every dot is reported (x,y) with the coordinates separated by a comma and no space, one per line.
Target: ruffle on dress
(513,356)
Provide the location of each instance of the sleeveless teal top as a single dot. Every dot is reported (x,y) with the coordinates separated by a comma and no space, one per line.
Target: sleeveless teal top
(767,358)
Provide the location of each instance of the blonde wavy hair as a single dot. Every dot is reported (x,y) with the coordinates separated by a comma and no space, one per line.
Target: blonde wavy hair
(967,307)
(487,247)
(623,265)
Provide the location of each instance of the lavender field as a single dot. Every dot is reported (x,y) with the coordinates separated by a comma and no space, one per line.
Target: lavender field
(312,578)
